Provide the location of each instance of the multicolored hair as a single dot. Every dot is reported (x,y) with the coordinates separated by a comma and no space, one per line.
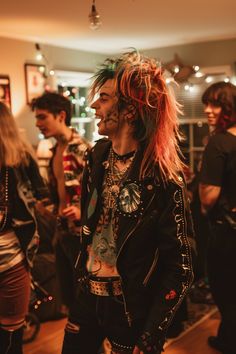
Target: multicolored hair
(139,82)
(222,94)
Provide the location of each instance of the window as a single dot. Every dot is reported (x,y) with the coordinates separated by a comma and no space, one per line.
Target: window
(74,85)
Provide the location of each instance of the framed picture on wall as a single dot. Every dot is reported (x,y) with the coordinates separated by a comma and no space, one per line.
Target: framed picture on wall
(5,91)
(35,81)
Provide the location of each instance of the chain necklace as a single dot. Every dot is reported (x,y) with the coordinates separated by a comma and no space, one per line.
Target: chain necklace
(113,180)
(115,177)
(4,208)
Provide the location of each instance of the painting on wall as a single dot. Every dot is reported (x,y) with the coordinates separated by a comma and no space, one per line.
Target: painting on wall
(5,92)
(35,81)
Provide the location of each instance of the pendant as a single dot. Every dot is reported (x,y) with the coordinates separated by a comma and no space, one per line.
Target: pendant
(115,189)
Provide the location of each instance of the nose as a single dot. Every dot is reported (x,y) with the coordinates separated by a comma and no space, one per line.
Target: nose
(208,108)
(94,105)
(37,123)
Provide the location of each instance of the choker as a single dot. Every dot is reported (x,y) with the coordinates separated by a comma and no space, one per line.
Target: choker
(125,157)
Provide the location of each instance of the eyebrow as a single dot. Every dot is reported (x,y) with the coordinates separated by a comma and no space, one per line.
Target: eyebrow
(104,94)
(40,115)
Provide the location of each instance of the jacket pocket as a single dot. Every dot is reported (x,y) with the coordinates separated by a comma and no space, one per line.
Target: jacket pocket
(153,265)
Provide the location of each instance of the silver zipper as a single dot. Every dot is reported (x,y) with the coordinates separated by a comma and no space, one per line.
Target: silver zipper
(77,259)
(129,319)
(128,316)
(132,231)
(146,279)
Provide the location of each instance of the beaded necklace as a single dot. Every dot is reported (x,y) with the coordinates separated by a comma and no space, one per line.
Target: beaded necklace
(4,207)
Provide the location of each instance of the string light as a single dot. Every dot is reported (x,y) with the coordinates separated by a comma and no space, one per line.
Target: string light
(191,87)
(176,69)
(209,79)
(186,87)
(94,17)
(41,56)
(196,68)
(199,74)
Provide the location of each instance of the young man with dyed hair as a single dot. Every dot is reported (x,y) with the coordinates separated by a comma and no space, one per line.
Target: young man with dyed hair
(135,264)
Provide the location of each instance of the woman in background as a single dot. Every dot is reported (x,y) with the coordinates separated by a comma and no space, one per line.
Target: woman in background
(20,185)
(218,202)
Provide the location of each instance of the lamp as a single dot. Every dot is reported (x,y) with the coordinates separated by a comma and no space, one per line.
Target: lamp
(94,17)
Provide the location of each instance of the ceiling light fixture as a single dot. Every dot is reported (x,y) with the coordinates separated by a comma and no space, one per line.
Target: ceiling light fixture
(94,17)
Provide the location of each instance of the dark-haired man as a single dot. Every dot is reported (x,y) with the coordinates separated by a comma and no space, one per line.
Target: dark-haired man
(53,116)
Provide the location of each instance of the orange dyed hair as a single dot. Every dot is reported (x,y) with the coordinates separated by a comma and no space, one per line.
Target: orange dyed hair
(139,81)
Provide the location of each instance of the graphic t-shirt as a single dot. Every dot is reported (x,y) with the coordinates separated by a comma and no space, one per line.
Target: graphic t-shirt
(102,251)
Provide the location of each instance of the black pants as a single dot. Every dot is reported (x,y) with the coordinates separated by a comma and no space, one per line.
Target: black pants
(66,251)
(94,318)
(11,342)
(222,274)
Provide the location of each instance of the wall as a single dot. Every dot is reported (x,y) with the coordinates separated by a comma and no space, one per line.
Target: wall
(204,54)
(15,53)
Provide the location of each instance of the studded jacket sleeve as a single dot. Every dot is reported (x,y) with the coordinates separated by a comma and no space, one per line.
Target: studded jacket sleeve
(175,244)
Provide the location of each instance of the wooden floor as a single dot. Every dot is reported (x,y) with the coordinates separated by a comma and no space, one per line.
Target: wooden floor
(193,341)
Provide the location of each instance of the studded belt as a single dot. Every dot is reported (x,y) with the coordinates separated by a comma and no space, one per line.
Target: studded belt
(105,286)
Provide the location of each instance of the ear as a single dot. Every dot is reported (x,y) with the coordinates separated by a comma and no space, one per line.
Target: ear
(130,113)
(62,116)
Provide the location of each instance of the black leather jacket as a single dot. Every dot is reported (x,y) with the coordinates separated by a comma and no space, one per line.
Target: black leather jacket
(29,187)
(154,242)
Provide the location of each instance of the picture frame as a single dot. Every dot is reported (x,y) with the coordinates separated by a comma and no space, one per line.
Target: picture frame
(35,79)
(5,90)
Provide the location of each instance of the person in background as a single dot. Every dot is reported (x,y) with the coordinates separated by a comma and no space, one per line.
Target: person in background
(53,116)
(135,264)
(20,186)
(217,192)
(200,292)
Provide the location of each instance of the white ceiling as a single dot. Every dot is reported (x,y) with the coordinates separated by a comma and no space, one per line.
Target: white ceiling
(141,24)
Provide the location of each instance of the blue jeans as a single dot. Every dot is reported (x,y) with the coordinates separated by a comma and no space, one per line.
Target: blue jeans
(94,318)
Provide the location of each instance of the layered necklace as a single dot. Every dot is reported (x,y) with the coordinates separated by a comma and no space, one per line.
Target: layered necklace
(116,176)
(4,201)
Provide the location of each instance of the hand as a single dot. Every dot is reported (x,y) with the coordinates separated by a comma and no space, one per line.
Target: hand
(137,350)
(72,213)
(43,210)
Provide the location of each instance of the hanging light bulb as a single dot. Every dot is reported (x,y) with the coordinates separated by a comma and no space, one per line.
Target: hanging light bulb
(94,17)
(39,55)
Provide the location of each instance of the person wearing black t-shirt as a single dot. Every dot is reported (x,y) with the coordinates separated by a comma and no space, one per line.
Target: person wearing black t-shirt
(218,200)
